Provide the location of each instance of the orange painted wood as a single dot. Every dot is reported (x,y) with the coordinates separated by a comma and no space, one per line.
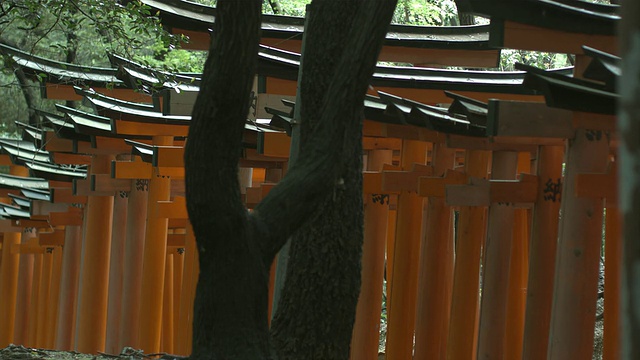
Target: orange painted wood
(154,259)
(25,287)
(72,159)
(378,143)
(175,209)
(577,263)
(463,326)
(168,307)
(66,92)
(92,312)
(495,265)
(366,330)
(414,55)
(407,181)
(66,318)
(518,272)
(150,129)
(8,287)
(65,195)
(44,299)
(527,37)
(130,170)
(34,305)
(178,274)
(612,286)
(391,240)
(54,143)
(191,272)
(54,298)
(542,253)
(170,156)
(435,280)
(133,252)
(116,274)
(258,175)
(404,281)
(276,144)
(9,267)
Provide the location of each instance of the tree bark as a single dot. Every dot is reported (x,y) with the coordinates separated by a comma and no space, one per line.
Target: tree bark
(317,310)
(629,178)
(313,310)
(236,247)
(230,308)
(25,86)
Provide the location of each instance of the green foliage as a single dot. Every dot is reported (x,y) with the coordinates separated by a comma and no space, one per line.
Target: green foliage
(426,12)
(541,60)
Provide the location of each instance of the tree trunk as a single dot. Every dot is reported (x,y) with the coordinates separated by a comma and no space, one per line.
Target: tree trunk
(230,308)
(314,309)
(25,87)
(236,247)
(317,310)
(275,7)
(629,129)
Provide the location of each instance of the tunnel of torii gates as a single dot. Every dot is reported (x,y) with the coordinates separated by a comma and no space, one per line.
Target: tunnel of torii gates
(97,253)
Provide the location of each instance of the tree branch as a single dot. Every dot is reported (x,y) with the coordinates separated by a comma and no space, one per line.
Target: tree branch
(314,176)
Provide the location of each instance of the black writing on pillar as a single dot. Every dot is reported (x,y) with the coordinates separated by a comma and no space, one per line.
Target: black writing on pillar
(593,135)
(49,250)
(552,190)
(180,251)
(124,194)
(142,184)
(382,199)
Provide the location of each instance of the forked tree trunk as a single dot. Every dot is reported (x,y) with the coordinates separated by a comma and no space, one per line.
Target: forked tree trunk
(236,247)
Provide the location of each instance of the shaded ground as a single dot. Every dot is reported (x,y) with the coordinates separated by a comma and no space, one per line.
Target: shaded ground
(13,352)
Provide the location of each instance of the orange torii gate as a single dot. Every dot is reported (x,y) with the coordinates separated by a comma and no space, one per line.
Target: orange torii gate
(510,134)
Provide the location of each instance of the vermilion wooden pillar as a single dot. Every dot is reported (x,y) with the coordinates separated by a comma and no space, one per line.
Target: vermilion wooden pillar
(9,266)
(578,253)
(471,233)
(133,253)
(436,269)
(495,264)
(612,285)
(518,272)
(33,306)
(54,298)
(542,253)
(24,299)
(178,274)
(191,271)
(8,287)
(155,254)
(116,273)
(94,283)
(167,307)
(43,298)
(404,281)
(155,249)
(366,330)
(66,314)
